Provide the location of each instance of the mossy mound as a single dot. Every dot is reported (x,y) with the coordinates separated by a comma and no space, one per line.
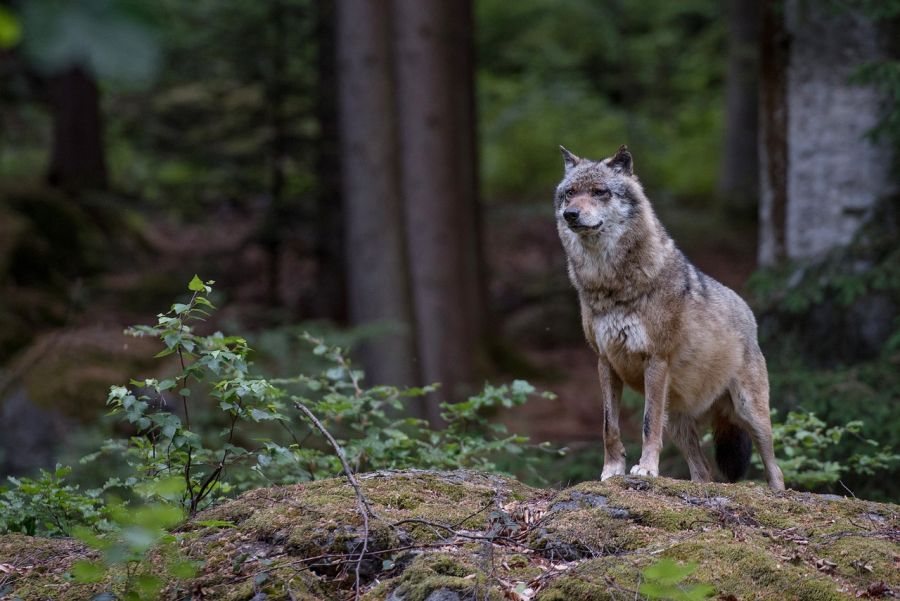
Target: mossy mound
(452,536)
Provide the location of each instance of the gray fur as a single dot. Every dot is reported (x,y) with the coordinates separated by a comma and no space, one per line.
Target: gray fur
(657,323)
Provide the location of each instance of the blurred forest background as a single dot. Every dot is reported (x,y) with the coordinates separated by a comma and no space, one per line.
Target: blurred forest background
(380,173)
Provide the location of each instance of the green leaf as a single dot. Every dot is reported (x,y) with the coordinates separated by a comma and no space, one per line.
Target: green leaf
(149,585)
(10,29)
(88,571)
(183,570)
(196,284)
(667,571)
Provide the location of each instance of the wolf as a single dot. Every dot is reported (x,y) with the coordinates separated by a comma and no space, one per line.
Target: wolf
(661,326)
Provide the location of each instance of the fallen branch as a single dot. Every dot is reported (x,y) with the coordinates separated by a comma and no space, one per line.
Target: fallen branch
(362,504)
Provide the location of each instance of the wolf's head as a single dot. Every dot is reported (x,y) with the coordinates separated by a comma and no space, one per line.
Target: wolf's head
(597,198)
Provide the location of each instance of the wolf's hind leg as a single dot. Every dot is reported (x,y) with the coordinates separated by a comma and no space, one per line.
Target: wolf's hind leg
(683,429)
(750,396)
(611,395)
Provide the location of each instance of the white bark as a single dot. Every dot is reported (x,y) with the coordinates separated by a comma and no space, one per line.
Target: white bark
(835,174)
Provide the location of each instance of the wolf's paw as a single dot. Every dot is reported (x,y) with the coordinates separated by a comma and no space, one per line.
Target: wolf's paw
(609,471)
(639,470)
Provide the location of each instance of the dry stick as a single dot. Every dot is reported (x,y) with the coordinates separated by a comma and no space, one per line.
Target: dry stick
(362,504)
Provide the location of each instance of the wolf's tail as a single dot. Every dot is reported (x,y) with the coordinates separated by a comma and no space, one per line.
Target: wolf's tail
(733,448)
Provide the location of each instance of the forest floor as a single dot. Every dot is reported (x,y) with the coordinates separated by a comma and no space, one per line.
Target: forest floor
(463,535)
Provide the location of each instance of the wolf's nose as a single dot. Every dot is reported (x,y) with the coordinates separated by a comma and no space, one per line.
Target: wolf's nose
(571,215)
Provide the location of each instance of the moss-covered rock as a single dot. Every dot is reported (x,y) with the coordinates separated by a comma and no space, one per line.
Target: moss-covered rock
(453,536)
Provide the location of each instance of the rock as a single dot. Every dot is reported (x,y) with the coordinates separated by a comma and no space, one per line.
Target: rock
(442,594)
(747,541)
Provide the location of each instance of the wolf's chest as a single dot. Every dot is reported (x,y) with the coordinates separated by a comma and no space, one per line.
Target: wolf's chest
(620,330)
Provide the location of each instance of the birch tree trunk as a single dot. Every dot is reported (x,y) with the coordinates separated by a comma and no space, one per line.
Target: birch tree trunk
(820,174)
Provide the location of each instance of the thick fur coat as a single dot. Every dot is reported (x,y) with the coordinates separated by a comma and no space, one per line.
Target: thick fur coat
(660,326)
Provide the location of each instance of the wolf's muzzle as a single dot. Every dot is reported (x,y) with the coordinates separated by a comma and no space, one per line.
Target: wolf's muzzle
(572,215)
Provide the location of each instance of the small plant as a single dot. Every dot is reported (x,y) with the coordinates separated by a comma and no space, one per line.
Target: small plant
(665,580)
(220,428)
(47,505)
(138,554)
(215,427)
(375,438)
(803,440)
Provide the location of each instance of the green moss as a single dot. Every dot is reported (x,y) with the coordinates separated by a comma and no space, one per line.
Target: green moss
(430,573)
(750,568)
(605,578)
(746,540)
(862,559)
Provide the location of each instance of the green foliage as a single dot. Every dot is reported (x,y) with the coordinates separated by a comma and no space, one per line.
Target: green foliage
(47,505)
(111,38)
(378,436)
(835,373)
(865,391)
(878,10)
(136,534)
(665,580)
(802,443)
(870,265)
(249,432)
(10,28)
(216,427)
(885,76)
(593,75)
(222,116)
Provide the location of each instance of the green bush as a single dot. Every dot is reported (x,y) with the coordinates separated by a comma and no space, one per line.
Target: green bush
(803,444)
(216,428)
(47,505)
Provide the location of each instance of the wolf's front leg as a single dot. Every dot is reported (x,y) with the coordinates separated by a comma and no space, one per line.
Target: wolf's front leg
(656,393)
(611,393)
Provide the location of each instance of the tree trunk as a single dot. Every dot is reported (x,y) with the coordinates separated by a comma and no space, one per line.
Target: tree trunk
(774,47)
(377,274)
(739,170)
(821,175)
(437,191)
(330,296)
(77,160)
(463,65)
(273,224)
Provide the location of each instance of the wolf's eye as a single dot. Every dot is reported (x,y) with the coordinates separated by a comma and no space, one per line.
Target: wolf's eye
(570,193)
(601,191)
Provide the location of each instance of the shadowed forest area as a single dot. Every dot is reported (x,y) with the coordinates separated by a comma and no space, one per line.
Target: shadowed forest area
(379,175)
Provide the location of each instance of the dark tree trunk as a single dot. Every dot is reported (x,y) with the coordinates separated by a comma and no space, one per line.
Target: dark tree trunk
(462,24)
(773,133)
(77,160)
(739,170)
(330,282)
(377,275)
(437,180)
(275,97)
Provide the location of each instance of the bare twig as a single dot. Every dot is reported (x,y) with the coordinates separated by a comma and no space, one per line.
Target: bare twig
(362,504)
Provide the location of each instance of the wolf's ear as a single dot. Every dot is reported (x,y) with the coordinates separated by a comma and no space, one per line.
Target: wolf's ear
(570,159)
(621,162)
